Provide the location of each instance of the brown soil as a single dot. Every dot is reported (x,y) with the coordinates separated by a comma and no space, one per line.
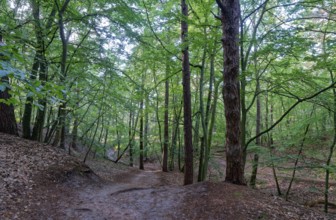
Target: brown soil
(42,182)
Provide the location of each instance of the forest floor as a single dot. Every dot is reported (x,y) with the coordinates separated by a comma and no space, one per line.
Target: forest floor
(42,182)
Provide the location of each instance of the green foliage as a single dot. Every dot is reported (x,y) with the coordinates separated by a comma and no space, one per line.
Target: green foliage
(118,54)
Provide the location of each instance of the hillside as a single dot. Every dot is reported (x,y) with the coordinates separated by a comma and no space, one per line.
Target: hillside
(39,182)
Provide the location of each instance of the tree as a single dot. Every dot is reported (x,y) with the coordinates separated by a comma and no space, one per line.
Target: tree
(166,124)
(7,123)
(230,23)
(188,158)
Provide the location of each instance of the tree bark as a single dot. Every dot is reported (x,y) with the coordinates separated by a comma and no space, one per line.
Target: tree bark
(41,111)
(65,40)
(38,59)
(7,116)
(177,116)
(141,158)
(258,140)
(130,137)
(27,114)
(230,41)
(166,124)
(188,158)
(204,139)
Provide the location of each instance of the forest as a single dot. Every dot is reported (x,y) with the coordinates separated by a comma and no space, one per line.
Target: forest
(190,106)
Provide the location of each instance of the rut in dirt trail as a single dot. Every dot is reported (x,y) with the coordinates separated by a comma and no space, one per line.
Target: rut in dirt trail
(133,195)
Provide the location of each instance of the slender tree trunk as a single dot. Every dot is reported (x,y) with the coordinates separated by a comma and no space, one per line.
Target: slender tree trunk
(74,134)
(331,149)
(213,114)
(258,140)
(39,50)
(146,130)
(27,114)
(234,154)
(201,162)
(180,151)
(188,158)
(157,111)
(41,111)
(130,141)
(51,125)
(297,159)
(106,137)
(141,159)
(65,40)
(333,144)
(207,115)
(166,124)
(177,116)
(197,118)
(270,143)
(43,76)
(118,137)
(92,140)
(204,139)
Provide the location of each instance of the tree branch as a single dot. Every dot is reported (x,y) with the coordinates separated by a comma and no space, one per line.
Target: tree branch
(288,111)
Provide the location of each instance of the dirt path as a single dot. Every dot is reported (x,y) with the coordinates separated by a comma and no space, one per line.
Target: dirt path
(132,195)
(42,182)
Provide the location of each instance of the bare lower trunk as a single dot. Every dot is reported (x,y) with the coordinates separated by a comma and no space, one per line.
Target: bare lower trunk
(166,125)
(258,140)
(130,143)
(7,117)
(141,158)
(188,158)
(234,155)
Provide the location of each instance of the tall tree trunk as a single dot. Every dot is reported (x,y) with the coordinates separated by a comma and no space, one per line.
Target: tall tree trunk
(270,143)
(297,158)
(157,110)
(234,155)
(188,158)
(204,139)
(130,136)
(51,125)
(74,134)
(166,124)
(7,116)
(92,139)
(331,151)
(41,111)
(118,136)
(207,114)
(213,114)
(177,116)
(106,137)
(146,130)
(141,158)
(27,114)
(333,144)
(65,40)
(43,77)
(39,63)
(258,140)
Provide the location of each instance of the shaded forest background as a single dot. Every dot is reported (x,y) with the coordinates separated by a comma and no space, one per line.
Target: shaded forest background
(106,79)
